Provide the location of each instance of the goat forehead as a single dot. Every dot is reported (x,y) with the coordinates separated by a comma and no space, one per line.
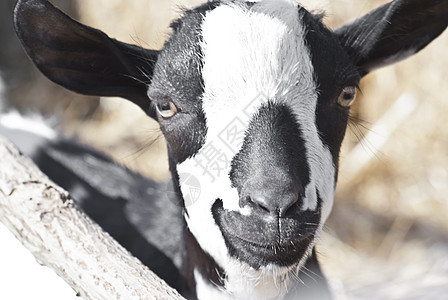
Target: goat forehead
(259,50)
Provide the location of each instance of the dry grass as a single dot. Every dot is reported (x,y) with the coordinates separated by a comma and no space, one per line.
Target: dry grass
(388,235)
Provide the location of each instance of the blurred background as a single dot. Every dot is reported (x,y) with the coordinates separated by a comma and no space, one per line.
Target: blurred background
(387,237)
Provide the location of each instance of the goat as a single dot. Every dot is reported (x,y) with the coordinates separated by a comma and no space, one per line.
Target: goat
(253,99)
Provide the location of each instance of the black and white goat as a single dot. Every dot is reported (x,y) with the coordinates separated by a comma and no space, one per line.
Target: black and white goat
(253,99)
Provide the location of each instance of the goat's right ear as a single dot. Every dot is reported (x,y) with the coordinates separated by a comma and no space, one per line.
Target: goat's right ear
(393,32)
(81,58)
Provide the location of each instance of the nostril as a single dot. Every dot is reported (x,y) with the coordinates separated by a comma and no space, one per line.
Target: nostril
(272,202)
(287,205)
(273,197)
(259,202)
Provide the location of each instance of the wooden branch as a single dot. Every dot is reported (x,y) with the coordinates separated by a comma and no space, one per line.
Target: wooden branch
(60,236)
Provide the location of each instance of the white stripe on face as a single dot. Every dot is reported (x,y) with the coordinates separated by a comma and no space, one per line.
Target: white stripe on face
(250,56)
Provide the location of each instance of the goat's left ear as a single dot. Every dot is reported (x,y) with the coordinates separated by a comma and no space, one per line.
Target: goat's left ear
(83,59)
(393,32)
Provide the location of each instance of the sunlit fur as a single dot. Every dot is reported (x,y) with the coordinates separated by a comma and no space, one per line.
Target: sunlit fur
(278,71)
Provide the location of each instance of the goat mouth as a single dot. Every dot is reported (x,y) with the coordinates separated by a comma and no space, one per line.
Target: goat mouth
(280,246)
(282,242)
(282,254)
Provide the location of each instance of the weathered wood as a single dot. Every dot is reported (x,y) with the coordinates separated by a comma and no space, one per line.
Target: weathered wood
(60,236)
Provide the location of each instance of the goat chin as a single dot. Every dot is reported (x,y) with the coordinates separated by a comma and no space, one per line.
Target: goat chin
(245,282)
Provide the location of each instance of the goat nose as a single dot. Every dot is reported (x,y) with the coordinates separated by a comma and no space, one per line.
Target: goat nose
(275,201)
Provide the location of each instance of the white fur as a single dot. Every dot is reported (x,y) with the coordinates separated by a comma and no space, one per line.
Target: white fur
(269,282)
(248,54)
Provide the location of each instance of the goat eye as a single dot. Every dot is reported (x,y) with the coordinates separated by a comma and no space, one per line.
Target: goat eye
(166,109)
(347,96)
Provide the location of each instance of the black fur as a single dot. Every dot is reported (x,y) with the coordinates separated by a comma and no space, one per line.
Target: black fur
(202,262)
(177,77)
(328,54)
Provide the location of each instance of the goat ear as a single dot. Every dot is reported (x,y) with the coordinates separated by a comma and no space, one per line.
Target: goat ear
(393,32)
(81,58)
